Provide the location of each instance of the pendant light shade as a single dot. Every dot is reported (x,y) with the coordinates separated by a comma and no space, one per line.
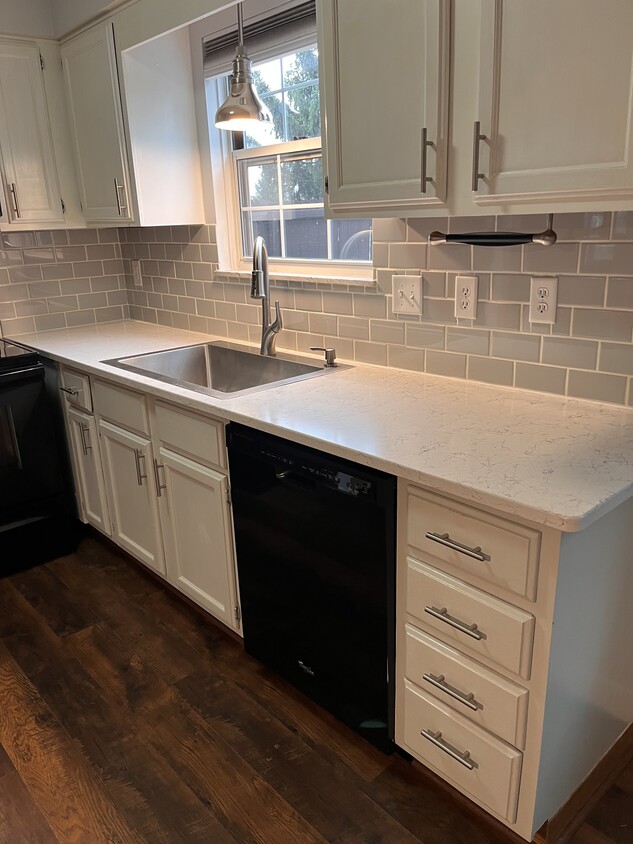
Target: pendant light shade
(243,109)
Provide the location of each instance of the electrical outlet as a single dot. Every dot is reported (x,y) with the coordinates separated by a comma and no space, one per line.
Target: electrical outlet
(466,289)
(136,273)
(543,299)
(407,294)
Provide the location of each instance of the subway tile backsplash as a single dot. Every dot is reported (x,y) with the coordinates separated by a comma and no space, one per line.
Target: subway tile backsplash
(57,279)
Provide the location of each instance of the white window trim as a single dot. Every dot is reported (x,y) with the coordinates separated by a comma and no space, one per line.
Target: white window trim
(227,207)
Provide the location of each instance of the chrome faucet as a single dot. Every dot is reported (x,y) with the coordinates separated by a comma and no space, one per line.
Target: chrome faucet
(260,289)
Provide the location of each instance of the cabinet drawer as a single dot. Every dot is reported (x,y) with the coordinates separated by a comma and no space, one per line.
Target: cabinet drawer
(75,388)
(124,407)
(510,551)
(501,632)
(190,434)
(494,778)
(496,704)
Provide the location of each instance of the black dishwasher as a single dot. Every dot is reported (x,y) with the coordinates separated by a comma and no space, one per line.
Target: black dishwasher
(315,542)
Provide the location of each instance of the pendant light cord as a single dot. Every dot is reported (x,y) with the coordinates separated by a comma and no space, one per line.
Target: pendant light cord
(240,25)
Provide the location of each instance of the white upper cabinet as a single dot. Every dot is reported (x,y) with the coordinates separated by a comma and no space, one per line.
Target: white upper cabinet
(96,122)
(384,89)
(556,100)
(548,84)
(29,172)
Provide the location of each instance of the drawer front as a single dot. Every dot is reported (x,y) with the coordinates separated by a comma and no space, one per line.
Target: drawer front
(190,434)
(75,387)
(471,689)
(123,407)
(496,768)
(472,619)
(511,552)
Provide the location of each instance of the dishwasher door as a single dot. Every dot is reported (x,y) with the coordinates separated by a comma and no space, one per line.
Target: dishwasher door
(316,562)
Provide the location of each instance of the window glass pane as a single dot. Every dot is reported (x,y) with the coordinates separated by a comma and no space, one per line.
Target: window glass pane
(306,233)
(303,112)
(302,180)
(262,135)
(351,240)
(265,224)
(259,185)
(267,76)
(300,66)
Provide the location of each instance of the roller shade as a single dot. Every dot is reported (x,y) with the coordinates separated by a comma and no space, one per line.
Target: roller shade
(290,29)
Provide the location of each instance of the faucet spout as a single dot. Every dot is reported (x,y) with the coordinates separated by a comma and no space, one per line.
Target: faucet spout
(260,289)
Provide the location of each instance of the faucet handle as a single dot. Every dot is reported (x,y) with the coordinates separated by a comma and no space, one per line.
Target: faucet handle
(278,323)
(330,354)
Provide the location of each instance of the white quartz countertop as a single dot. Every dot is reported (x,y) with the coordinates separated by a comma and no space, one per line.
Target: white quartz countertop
(554,461)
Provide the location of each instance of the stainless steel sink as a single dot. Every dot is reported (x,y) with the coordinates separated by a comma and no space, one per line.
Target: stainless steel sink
(221,369)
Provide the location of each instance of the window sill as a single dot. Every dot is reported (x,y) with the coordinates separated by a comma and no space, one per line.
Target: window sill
(277,275)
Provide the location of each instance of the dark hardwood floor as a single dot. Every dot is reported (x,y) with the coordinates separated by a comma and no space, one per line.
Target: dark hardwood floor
(125,716)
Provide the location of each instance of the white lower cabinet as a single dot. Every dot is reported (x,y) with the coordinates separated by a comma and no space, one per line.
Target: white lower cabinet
(168,494)
(83,436)
(196,525)
(504,685)
(127,462)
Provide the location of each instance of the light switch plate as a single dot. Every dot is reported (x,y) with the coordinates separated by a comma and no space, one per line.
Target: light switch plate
(407,294)
(136,272)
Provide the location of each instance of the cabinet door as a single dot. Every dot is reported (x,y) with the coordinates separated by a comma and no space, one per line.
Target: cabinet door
(94,106)
(88,472)
(127,463)
(196,526)
(384,89)
(556,100)
(26,148)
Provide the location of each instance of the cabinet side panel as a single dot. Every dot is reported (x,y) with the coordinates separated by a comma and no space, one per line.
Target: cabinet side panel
(590,685)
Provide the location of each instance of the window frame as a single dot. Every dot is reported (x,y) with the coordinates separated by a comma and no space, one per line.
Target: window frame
(228,205)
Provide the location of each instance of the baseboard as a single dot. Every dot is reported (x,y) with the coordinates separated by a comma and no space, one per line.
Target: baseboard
(559,828)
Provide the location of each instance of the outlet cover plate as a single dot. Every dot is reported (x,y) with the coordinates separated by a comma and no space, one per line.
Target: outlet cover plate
(407,294)
(466,291)
(543,299)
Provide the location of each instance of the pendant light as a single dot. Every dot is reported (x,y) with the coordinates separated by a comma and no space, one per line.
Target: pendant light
(243,109)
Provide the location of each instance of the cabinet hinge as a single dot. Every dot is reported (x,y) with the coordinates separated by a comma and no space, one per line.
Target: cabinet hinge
(238,614)
(63,205)
(228,496)
(42,65)
(327,185)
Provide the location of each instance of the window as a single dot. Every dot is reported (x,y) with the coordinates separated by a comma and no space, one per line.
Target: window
(277,177)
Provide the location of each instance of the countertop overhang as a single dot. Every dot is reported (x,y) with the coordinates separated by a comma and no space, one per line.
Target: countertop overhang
(551,460)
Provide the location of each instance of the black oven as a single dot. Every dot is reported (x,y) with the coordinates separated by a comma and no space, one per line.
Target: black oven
(36,510)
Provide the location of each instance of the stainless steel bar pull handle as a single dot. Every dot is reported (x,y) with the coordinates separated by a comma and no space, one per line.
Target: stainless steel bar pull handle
(477,138)
(14,194)
(85,446)
(159,487)
(70,391)
(140,475)
(463,758)
(469,629)
(425,143)
(440,683)
(121,205)
(444,539)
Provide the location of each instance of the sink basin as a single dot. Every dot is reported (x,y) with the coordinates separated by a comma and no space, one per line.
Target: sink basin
(221,369)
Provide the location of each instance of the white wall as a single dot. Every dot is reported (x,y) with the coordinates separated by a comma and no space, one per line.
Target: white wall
(26,17)
(69,14)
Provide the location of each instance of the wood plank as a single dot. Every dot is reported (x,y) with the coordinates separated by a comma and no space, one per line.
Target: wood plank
(51,599)
(6,765)
(340,813)
(139,782)
(219,653)
(59,780)
(20,819)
